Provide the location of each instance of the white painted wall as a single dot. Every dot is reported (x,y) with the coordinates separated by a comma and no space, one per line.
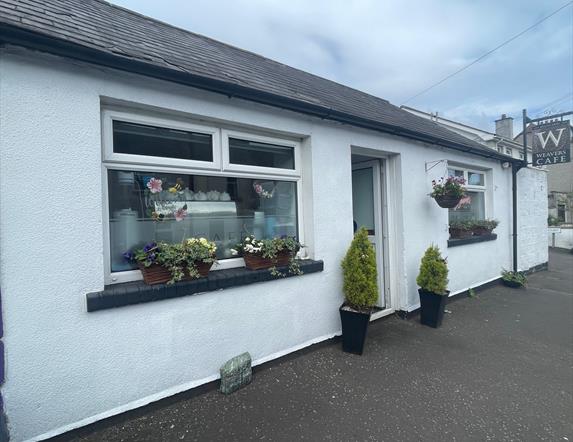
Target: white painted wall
(532,217)
(65,367)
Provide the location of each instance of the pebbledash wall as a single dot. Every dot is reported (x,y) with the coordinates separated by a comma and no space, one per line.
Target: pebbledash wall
(66,367)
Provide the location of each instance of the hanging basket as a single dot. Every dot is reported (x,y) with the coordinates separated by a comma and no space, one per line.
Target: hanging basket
(257,262)
(447,201)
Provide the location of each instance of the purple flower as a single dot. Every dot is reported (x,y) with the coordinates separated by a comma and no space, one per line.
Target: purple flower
(129,255)
(151,258)
(150,246)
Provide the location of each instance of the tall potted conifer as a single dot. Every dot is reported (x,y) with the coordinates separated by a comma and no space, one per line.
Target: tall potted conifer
(360,292)
(433,280)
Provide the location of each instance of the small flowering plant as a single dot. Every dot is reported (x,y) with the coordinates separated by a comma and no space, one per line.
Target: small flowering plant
(179,258)
(452,186)
(271,249)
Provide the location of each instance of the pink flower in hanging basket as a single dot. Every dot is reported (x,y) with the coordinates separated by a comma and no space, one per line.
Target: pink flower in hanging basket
(154,185)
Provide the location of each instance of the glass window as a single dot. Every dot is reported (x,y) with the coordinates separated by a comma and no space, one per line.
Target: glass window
(508,151)
(455,172)
(254,153)
(363,198)
(475,179)
(561,212)
(157,206)
(139,139)
(471,207)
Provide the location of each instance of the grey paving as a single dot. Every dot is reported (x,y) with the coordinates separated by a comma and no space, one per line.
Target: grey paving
(500,368)
(119,35)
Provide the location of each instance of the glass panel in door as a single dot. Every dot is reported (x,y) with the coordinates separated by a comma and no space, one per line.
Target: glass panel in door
(366,205)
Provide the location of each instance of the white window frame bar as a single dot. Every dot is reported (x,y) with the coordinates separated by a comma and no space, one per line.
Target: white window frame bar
(228,166)
(108,116)
(474,188)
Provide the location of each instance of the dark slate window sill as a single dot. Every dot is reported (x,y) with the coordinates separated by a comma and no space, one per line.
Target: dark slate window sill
(471,240)
(119,295)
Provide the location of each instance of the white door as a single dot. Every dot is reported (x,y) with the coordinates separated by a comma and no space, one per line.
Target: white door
(367,211)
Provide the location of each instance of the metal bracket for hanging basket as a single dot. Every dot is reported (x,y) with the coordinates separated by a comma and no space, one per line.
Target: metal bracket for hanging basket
(434,164)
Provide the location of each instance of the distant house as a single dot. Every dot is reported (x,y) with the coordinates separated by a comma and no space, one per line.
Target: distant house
(109,118)
(501,140)
(559,188)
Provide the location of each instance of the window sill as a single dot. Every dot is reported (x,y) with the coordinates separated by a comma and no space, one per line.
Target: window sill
(119,295)
(471,240)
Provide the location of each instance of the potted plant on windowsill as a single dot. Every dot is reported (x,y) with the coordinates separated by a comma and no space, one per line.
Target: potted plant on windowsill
(269,254)
(448,192)
(360,292)
(484,226)
(433,281)
(461,229)
(513,279)
(164,262)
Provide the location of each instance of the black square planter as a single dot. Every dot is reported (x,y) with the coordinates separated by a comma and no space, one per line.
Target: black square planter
(432,308)
(354,329)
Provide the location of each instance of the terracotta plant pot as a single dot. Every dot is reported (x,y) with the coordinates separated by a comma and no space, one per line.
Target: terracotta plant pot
(257,262)
(460,234)
(157,274)
(447,201)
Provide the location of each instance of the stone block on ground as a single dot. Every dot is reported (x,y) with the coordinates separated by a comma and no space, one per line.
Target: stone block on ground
(236,373)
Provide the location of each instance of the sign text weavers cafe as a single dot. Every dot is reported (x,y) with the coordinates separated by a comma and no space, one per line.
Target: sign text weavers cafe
(551,143)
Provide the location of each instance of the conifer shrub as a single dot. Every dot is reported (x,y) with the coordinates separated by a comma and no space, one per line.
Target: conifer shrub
(433,276)
(360,274)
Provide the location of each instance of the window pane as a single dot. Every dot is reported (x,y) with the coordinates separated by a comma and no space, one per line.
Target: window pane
(455,172)
(363,198)
(472,207)
(148,206)
(475,179)
(138,139)
(253,153)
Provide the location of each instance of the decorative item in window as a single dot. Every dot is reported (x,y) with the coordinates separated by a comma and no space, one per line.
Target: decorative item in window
(433,282)
(360,292)
(483,227)
(448,191)
(168,263)
(269,253)
(261,192)
(461,229)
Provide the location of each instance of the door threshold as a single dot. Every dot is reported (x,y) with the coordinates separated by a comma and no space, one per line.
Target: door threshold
(381,314)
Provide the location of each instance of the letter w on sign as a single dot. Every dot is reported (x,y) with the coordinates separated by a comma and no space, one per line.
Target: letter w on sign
(550,134)
(551,143)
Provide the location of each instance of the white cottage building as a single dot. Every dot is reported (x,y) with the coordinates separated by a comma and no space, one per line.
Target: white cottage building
(96,100)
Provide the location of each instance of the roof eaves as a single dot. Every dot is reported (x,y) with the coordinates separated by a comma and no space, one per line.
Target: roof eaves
(36,40)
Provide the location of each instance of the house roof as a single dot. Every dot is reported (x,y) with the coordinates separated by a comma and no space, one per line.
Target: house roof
(99,32)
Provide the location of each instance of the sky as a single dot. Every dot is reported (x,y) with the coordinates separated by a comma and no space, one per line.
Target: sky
(395,48)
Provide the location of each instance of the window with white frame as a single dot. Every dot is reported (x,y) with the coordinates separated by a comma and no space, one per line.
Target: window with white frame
(168,180)
(472,206)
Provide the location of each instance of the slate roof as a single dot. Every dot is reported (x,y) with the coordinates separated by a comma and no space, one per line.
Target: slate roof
(102,33)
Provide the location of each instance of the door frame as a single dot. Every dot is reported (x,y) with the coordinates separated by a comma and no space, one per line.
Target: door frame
(378,166)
